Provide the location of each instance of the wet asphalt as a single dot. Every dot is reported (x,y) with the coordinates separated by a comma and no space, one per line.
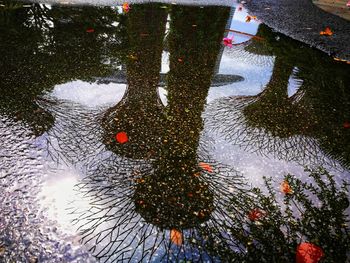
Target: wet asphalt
(303,21)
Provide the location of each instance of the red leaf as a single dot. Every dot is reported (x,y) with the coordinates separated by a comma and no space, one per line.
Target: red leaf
(308,253)
(206,167)
(126,7)
(122,137)
(90,30)
(256,214)
(346,125)
(176,237)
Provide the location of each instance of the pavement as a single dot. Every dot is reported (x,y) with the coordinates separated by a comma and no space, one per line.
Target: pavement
(303,21)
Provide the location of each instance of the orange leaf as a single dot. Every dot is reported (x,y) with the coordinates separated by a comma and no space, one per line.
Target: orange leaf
(248,18)
(327,32)
(285,187)
(176,237)
(122,137)
(206,167)
(308,253)
(126,7)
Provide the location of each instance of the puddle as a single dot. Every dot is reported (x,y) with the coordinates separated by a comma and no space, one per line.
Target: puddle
(139,136)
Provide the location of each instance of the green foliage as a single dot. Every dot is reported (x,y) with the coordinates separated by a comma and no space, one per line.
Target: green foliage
(312,212)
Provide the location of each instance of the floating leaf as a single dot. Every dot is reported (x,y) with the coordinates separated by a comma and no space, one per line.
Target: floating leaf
(206,167)
(176,237)
(227,41)
(308,253)
(326,32)
(122,137)
(256,214)
(126,7)
(285,188)
(249,18)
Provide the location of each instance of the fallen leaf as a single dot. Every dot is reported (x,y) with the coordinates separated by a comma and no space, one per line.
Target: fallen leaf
(90,30)
(248,18)
(256,214)
(327,32)
(126,7)
(346,125)
(206,167)
(122,137)
(176,237)
(180,60)
(308,253)
(227,41)
(285,188)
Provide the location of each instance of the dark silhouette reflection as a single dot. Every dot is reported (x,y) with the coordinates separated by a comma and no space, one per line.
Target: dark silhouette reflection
(305,127)
(137,204)
(140,111)
(42,47)
(174,197)
(161,197)
(275,111)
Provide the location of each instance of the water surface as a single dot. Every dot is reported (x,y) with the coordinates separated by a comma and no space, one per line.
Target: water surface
(205,124)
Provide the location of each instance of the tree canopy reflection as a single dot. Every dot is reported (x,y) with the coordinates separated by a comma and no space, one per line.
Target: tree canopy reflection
(307,127)
(141,192)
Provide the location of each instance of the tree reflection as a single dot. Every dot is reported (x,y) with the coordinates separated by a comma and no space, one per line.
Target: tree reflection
(137,203)
(142,191)
(297,127)
(43,47)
